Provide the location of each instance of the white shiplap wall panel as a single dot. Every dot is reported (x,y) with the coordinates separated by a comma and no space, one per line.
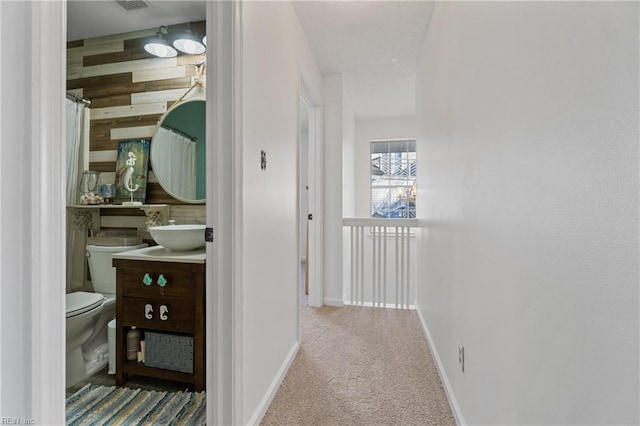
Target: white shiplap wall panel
(74,72)
(188,213)
(74,61)
(74,66)
(128,66)
(159,74)
(123,222)
(132,132)
(157,96)
(128,111)
(103,156)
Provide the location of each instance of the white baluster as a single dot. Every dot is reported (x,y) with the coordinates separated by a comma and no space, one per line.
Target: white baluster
(352,266)
(402,267)
(407,270)
(384,269)
(361,299)
(397,266)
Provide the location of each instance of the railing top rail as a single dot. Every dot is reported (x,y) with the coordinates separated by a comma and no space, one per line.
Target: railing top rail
(368,221)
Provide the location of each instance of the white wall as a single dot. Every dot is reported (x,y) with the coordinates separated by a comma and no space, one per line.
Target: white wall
(274,56)
(32,223)
(333,95)
(15,321)
(528,147)
(348,157)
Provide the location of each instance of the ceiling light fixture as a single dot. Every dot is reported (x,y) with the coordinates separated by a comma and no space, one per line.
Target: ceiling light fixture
(204,40)
(159,46)
(187,42)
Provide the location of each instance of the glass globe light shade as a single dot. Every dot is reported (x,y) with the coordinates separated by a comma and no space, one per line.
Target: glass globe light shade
(189,45)
(161,50)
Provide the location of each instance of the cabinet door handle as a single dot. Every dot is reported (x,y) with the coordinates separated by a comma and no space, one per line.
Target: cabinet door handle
(162,281)
(147,279)
(148,311)
(163,312)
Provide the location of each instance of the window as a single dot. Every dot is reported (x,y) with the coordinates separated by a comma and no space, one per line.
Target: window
(393,178)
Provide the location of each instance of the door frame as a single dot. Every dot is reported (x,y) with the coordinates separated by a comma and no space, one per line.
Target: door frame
(33,211)
(315,195)
(224,336)
(44,81)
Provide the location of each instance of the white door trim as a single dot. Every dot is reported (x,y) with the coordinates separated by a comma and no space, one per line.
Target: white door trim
(33,210)
(305,226)
(48,210)
(316,200)
(224,214)
(44,83)
(238,226)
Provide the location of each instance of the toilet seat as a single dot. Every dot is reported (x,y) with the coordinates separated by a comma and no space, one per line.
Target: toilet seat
(81,302)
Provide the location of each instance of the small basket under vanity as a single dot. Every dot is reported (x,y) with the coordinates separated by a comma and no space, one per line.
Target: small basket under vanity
(162,294)
(168,351)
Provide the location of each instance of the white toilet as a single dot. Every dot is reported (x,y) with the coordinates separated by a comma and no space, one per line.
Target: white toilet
(87,315)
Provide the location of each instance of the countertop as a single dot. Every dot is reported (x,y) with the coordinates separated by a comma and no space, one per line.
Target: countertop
(161,254)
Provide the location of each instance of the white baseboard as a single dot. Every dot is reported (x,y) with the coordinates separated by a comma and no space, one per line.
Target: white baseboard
(453,402)
(338,303)
(381,305)
(275,384)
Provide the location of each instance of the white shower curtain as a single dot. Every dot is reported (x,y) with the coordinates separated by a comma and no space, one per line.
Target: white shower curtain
(177,164)
(77,161)
(77,148)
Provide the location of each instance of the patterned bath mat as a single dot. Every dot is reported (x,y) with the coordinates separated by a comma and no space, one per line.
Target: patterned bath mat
(112,405)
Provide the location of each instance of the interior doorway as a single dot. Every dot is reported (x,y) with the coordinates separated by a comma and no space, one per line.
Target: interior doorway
(303,185)
(310,189)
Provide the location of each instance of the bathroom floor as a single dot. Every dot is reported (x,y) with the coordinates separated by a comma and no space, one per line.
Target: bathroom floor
(103,378)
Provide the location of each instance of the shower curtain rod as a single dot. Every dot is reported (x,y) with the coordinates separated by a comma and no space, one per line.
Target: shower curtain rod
(180,132)
(77,98)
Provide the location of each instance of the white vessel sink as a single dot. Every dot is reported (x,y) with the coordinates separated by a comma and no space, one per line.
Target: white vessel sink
(178,237)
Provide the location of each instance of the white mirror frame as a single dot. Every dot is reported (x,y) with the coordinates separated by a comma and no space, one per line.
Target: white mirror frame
(194,94)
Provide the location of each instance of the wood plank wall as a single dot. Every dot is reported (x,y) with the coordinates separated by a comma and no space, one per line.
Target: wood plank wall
(129,90)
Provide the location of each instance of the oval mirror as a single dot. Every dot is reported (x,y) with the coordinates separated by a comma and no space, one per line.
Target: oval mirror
(177,149)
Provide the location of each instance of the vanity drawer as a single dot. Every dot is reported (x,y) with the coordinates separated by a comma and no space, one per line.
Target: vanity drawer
(179,283)
(178,315)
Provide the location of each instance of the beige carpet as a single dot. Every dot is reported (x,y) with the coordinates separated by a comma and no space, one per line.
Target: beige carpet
(361,366)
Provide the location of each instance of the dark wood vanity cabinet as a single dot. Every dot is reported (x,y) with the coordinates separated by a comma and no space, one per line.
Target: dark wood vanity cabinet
(165,299)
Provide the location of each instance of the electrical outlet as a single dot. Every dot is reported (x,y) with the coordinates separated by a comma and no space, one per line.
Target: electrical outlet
(461,356)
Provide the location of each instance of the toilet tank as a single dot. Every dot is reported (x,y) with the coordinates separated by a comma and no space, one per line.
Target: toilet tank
(103,274)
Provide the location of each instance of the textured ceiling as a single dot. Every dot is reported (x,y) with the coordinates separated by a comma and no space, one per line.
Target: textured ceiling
(374,44)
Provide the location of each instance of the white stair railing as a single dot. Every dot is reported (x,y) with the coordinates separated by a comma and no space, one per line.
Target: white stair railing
(380,252)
